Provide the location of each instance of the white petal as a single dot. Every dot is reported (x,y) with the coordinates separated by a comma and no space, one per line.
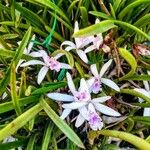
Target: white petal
(101,99)
(42,73)
(83,86)
(32,62)
(146,112)
(31,44)
(71,44)
(148,72)
(65,113)
(110,83)
(36,54)
(106,110)
(90,81)
(65,66)
(82,55)
(74,105)
(58,56)
(61,97)
(76,26)
(70,83)
(4,95)
(89,49)
(91,107)
(105,48)
(142,91)
(97,21)
(146,85)
(19,63)
(105,68)
(84,112)
(94,70)
(80,120)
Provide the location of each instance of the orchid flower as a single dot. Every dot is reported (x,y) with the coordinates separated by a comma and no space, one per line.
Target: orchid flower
(81,100)
(26,51)
(78,45)
(146,92)
(95,82)
(49,63)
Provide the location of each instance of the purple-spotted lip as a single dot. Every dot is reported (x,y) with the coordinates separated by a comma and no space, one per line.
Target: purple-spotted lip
(96,86)
(53,64)
(82,96)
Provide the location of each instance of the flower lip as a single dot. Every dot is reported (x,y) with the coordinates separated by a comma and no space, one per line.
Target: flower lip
(53,64)
(83,96)
(95,121)
(96,86)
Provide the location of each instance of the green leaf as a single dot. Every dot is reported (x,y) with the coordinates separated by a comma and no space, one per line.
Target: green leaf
(116,5)
(130,60)
(134,140)
(61,124)
(31,142)
(19,122)
(101,27)
(144,120)
(13,88)
(47,136)
(84,16)
(135,93)
(139,78)
(22,46)
(7,106)
(50,87)
(52,6)
(131,7)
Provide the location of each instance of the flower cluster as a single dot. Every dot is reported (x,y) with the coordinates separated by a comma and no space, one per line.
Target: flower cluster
(80,99)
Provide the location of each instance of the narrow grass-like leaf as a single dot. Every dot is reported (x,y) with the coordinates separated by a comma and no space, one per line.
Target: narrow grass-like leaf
(52,6)
(135,93)
(130,60)
(50,87)
(131,7)
(116,4)
(101,27)
(84,16)
(13,87)
(61,124)
(144,120)
(23,44)
(134,140)
(19,122)
(31,142)
(139,78)
(7,106)
(47,136)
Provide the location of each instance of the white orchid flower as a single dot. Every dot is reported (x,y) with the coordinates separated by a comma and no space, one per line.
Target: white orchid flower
(95,82)
(146,92)
(97,42)
(26,51)
(81,100)
(49,63)
(79,44)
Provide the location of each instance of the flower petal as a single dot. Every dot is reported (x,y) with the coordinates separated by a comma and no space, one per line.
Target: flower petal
(82,55)
(105,68)
(106,110)
(101,99)
(83,85)
(70,83)
(32,62)
(142,91)
(90,81)
(19,63)
(71,44)
(36,54)
(146,85)
(89,49)
(61,97)
(91,107)
(31,44)
(65,66)
(80,120)
(74,105)
(146,111)
(94,70)
(41,75)
(105,48)
(65,113)
(110,83)
(84,112)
